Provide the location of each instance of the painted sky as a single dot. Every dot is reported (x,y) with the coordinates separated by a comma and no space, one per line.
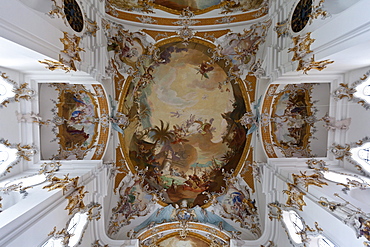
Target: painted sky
(180,88)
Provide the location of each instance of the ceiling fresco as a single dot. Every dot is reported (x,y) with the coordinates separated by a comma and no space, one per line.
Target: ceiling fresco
(295,119)
(184,127)
(76,115)
(184,142)
(291,126)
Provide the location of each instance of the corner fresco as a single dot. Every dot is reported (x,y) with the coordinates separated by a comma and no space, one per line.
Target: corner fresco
(75,120)
(133,201)
(291,126)
(77,110)
(184,127)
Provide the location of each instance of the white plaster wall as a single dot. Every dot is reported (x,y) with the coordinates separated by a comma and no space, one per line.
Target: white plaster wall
(9,126)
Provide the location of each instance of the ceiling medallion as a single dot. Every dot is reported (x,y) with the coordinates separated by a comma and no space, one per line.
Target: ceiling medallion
(301,15)
(74,15)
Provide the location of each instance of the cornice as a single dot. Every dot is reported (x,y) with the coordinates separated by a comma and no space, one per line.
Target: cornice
(210,21)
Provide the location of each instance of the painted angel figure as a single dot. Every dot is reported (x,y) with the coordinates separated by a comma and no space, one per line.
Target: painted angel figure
(205,67)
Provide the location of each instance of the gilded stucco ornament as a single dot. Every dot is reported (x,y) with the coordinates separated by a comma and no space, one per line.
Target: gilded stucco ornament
(94,211)
(344,91)
(21,185)
(256,170)
(317,11)
(308,232)
(75,228)
(295,197)
(225,19)
(97,244)
(14,187)
(301,50)
(269,244)
(62,234)
(356,92)
(57,10)
(66,184)
(301,46)
(70,54)
(71,48)
(318,165)
(283,214)
(77,23)
(351,215)
(53,65)
(300,18)
(355,152)
(49,167)
(275,211)
(306,180)
(91,27)
(75,200)
(282,28)
(14,93)
(23,92)
(186,33)
(26,151)
(242,49)
(146,19)
(340,151)
(14,153)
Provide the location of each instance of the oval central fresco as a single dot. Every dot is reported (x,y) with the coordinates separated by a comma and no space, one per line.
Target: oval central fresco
(184,132)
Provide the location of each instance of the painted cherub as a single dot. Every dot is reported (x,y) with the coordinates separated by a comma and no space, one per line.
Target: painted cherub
(205,67)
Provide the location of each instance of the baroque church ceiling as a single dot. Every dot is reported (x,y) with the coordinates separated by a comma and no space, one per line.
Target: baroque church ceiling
(181,113)
(183,135)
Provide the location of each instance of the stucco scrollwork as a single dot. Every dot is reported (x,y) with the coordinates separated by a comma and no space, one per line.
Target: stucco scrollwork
(301,50)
